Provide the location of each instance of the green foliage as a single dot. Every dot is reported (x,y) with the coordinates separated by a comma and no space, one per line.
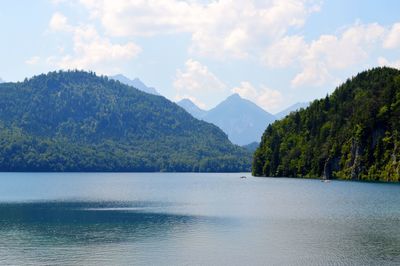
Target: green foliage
(352,134)
(77,121)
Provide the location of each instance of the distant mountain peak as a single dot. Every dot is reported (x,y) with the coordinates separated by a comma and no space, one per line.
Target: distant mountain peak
(191,108)
(136,83)
(292,108)
(187,100)
(234,96)
(242,120)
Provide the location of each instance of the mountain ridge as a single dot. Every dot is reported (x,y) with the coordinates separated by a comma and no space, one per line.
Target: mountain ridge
(291,108)
(77,121)
(136,83)
(241,119)
(354,133)
(192,108)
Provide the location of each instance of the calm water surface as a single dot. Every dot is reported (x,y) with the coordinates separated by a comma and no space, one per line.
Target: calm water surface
(195,219)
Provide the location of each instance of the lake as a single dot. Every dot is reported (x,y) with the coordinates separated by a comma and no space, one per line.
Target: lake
(195,219)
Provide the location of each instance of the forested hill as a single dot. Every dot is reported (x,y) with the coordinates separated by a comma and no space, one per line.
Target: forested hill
(352,134)
(77,121)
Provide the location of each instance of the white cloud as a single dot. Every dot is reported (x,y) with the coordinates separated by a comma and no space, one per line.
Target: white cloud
(382,61)
(269,99)
(33,60)
(197,81)
(314,74)
(319,58)
(392,40)
(285,51)
(59,22)
(56,2)
(90,50)
(218,28)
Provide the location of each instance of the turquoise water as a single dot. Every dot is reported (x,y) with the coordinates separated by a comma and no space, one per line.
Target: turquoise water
(195,219)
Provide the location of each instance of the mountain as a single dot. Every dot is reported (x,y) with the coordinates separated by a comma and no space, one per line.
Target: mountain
(292,108)
(352,134)
(243,121)
(77,121)
(251,147)
(192,108)
(136,83)
(1,81)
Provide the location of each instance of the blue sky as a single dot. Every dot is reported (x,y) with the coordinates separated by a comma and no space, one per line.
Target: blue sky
(274,53)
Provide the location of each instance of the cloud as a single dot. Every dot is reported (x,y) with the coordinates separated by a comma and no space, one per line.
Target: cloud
(197,81)
(382,61)
(33,60)
(219,29)
(285,51)
(320,58)
(393,38)
(59,22)
(90,49)
(313,74)
(269,99)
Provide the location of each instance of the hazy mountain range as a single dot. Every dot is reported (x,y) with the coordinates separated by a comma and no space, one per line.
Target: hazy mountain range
(136,83)
(292,108)
(192,108)
(242,120)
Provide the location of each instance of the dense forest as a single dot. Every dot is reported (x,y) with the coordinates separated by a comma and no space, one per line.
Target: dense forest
(352,134)
(77,121)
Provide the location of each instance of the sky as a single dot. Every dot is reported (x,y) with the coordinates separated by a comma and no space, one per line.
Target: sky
(272,52)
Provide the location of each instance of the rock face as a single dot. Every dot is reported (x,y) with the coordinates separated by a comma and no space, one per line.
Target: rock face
(355,162)
(352,134)
(331,166)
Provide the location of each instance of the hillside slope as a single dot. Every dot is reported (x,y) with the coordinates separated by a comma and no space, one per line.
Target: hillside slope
(352,134)
(77,121)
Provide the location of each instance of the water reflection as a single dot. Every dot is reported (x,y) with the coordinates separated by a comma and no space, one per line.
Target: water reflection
(87,222)
(207,219)
(93,232)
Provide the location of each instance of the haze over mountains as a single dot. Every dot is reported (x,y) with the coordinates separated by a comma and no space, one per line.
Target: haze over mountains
(136,83)
(242,120)
(192,108)
(292,108)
